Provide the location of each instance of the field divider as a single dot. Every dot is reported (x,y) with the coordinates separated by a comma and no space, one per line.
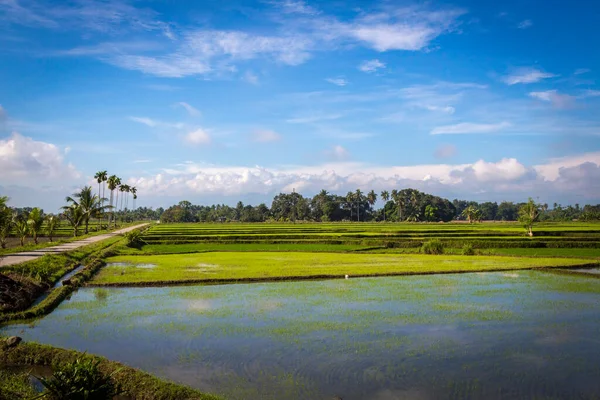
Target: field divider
(226,281)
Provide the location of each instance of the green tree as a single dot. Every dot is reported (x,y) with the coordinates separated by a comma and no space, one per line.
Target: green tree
(6,221)
(358,197)
(74,214)
(90,204)
(471,213)
(113,183)
(529,213)
(134,193)
(52,224)
(35,221)
(372,198)
(385,196)
(431,213)
(21,227)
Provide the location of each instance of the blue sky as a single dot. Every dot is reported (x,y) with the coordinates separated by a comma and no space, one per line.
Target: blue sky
(217,101)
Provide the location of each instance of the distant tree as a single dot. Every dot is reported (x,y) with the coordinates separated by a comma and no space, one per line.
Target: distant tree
(35,221)
(358,197)
(90,204)
(431,213)
(52,224)
(6,221)
(372,198)
(75,215)
(113,183)
(385,196)
(471,214)
(507,211)
(21,227)
(529,213)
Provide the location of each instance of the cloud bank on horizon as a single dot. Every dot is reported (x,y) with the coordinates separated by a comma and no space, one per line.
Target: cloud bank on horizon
(215,104)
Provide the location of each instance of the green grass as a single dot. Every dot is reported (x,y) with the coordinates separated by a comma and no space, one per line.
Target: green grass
(266,265)
(15,385)
(591,253)
(208,247)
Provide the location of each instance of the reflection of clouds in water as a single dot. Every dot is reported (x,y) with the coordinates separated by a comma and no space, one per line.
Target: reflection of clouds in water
(204,268)
(269,305)
(510,275)
(199,305)
(409,394)
(554,338)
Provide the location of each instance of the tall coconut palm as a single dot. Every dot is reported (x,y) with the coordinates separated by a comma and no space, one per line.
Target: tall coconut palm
(372,198)
(396,198)
(385,196)
(100,178)
(35,221)
(113,182)
(74,214)
(349,202)
(134,192)
(358,195)
(52,224)
(91,205)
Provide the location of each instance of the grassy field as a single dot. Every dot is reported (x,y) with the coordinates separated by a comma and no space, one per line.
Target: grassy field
(267,265)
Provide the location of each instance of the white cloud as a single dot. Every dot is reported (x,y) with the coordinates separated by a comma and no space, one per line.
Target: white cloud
(25,160)
(251,78)
(469,128)
(308,119)
(580,71)
(525,24)
(444,109)
(192,111)
(265,135)
(295,7)
(505,179)
(591,93)
(552,96)
(152,123)
(339,153)
(445,151)
(371,66)
(146,121)
(526,75)
(337,81)
(199,137)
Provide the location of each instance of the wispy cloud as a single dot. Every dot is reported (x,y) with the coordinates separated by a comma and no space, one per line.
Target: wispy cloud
(153,123)
(295,7)
(470,128)
(580,71)
(338,153)
(192,111)
(526,75)
(198,137)
(445,151)
(251,78)
(313,118)
(525,24)
(265,136)
(337,81)
(371,66)
(558,100)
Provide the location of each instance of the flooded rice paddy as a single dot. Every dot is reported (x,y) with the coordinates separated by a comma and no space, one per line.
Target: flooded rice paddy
(525,334)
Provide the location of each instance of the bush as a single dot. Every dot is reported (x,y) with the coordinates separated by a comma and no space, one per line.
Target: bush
(467,250)
(432,247)
(134,239)
(79,380)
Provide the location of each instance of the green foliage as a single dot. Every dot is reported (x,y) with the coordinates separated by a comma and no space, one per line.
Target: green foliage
(21,228)
(134,239)
(467,250)
(434,246)
(529,213)
(6,221)
(35,221)
(75,215)
(78,380)
(15,386)
(52,224)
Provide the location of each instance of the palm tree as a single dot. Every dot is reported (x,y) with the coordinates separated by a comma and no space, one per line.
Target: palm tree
(35,222)
(134,192)
(396,198)
(101,177)
(529,213)
(74,214)
(21,227)
(6,222)
(52,223)
(90,204)
(113,183)
(385,196)
(349,201)
(358,196)
(471,213)
(372,198)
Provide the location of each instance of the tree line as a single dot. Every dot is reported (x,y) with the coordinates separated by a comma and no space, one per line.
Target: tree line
(398,206)
(82,206)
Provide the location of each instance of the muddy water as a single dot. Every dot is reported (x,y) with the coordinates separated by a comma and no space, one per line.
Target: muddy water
(479,336)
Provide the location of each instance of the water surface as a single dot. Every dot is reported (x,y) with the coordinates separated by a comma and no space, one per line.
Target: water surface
(511,335)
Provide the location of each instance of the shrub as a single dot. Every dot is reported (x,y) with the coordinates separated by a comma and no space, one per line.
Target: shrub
(134,239)
(467,250)
(432,247)
(79,380)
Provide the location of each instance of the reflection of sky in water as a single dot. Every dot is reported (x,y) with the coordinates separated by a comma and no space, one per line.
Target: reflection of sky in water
(485,336)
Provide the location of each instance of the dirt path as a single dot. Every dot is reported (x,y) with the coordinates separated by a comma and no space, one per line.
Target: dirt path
(17,258)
